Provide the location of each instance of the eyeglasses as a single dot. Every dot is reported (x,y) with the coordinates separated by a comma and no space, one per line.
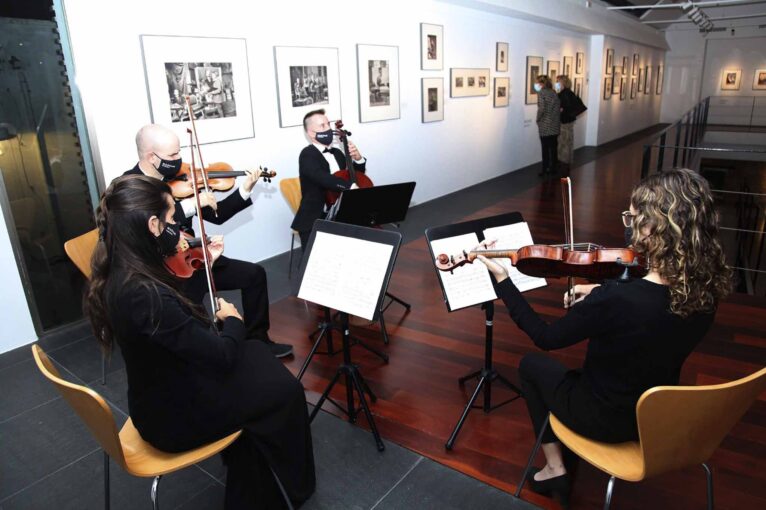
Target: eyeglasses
(627,218)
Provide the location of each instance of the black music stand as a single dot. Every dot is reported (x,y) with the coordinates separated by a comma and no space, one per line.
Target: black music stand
(328,291)
(487,374)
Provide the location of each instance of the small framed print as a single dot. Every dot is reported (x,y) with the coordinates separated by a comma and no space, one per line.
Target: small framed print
(567,67)
(432,99)
(534,69)
(468,82)
(635,65)
(647,80)
(580,63)
(640,80)
(378,70)
(553,69)
(431,47)
(730,79)
(578,87)
(615,82)
(633,86)
(501,57)
(759,79)
(660,73)
(625,68)
(623,87)
(608,87)
(609,62)
(502,92)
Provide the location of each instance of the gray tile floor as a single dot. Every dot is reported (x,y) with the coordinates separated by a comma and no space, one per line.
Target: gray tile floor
(48,459)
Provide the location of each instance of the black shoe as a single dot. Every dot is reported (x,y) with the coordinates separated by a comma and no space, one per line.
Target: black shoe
(557,487)
(278,350)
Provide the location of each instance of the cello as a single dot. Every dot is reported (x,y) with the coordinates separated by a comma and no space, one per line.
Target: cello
(348,173)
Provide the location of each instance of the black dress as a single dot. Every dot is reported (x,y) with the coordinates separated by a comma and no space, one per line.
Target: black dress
(188,386)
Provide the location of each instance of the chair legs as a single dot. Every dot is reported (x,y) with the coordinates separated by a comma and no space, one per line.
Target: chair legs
(609,489)
(709,476)
(532,456)
(155,493)
(106,481)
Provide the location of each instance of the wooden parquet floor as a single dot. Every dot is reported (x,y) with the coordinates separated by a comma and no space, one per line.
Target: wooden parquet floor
(419,399)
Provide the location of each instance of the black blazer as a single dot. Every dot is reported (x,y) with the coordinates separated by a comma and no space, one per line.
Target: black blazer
(315,176)
(227,207)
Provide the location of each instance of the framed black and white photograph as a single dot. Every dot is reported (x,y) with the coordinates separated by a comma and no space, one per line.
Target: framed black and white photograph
(635,65)
(730,79)
(307,79)
(432,99)
(534,69)
(468,82)
(759,79)
(502,92)
(633,87)
(553,68)
(625,69)
(608,87)
(431,47)
(623,87)
(580,63)
(578,87)
(609,62)
(660,77)
(640,86)
(501,57)
(647,80)
(567,67)
(213,72)
(616,81)
(378,71)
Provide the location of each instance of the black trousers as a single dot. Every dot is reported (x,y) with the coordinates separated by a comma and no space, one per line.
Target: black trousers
(233,274)
(550,147)
(304,239)
(549,386)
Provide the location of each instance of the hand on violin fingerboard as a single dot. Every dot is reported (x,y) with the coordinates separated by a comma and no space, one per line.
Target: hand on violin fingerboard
(249,181)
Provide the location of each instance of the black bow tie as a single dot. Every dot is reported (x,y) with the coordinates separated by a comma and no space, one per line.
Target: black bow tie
(326,150)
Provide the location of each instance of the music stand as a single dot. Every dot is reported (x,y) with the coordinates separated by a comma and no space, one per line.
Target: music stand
(487,374)
(347,268)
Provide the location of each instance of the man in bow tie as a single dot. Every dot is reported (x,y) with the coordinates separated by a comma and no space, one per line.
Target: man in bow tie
(316,164)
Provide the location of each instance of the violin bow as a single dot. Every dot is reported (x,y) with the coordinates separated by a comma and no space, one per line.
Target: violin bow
(195,139)
(566,197)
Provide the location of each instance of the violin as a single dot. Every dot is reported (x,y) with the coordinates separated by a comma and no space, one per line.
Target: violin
(188,257)
(348,173)
(219,176)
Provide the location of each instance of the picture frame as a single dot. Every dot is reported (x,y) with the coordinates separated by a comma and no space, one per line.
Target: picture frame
(378,75)
(608,87)
(502,93)
(432,99)
(214,73)
(647,80)
(660,78)
(431,47)
(623,87)
(759,79)
(307,79)
(633,86)
(615,82)
(640,84)
(469,82)
(566,68)
(731,79)
(578,87)
(635,64)
(534,69)
(625,68)
(579,62)
(501,57)
(553,69)
(609,61)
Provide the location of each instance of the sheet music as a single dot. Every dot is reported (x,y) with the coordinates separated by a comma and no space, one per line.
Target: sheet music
(345,274)
(469,284)
(512,237)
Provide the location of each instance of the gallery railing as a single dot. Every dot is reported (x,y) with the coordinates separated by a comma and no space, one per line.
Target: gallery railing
(740,111)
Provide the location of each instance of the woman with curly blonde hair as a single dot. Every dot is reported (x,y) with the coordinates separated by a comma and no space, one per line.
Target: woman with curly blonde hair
(639,333)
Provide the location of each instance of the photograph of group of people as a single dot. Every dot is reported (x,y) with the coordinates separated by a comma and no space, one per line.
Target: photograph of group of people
(308,85)
(209,85)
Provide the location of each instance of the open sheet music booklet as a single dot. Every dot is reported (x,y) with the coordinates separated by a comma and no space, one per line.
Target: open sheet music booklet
(345,274)
(471,284)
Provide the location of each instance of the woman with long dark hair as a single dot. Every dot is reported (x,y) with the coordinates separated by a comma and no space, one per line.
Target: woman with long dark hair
(639,332)
(188,384)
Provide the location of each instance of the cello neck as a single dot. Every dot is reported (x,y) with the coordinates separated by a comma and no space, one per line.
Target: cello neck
(349,160)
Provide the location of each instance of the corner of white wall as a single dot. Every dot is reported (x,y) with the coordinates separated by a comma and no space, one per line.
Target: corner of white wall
(596,58)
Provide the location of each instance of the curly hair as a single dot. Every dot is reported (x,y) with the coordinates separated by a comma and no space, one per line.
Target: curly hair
(676,230)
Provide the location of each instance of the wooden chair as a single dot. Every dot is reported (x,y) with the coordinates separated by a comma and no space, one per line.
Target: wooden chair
(291,190)
(126,448)
(678,426)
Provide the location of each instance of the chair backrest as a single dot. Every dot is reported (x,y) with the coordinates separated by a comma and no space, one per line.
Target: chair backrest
(681,426)
(80,250)
(291,189)
(89,406)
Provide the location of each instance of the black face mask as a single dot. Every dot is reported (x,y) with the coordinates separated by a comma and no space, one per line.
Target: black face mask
(167,241)
(168,167)
(325,137)
(628,236)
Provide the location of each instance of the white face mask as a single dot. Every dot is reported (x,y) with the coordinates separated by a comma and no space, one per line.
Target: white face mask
(557,86)
(538,87)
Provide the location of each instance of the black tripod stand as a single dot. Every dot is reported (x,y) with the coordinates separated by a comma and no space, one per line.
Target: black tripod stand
(486,376)
(354,382)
